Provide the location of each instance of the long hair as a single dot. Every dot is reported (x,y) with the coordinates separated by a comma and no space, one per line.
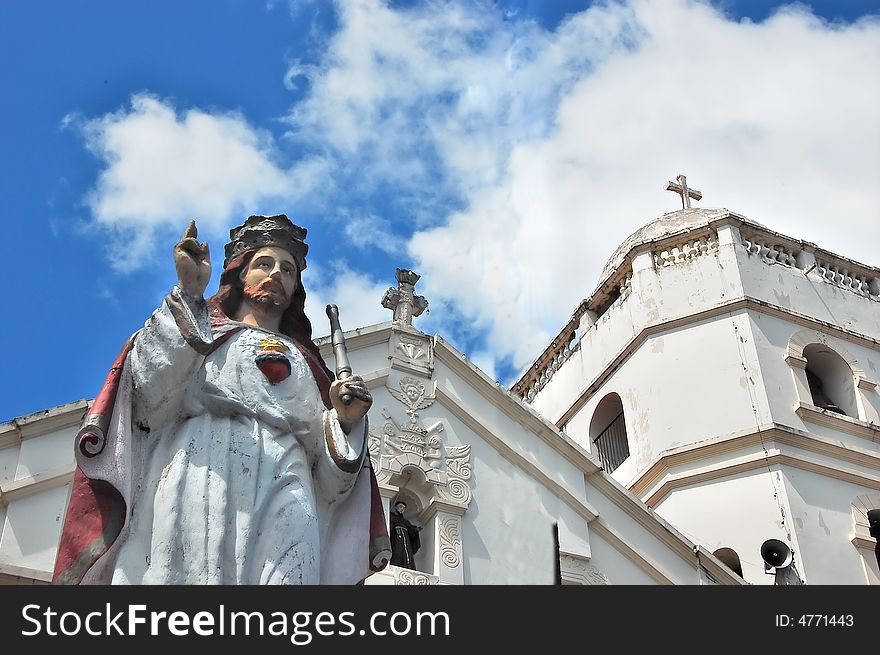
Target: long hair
(294,322)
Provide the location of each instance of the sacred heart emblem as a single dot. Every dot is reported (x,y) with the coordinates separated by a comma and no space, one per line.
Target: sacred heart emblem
(272,360)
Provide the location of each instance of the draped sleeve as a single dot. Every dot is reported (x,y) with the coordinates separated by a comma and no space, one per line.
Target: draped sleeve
(168,353)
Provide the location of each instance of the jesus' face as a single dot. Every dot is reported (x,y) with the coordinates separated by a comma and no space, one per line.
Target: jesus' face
(270,278)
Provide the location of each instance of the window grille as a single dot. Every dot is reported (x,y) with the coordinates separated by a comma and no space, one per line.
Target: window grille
(612,445)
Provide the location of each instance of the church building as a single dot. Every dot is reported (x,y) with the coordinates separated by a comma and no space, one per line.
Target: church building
(727,375)
(708,415)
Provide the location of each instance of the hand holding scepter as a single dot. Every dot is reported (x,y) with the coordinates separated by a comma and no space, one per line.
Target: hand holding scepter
(349,394)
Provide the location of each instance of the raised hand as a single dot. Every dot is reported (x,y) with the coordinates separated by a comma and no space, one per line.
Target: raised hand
(354,390)
(193,262)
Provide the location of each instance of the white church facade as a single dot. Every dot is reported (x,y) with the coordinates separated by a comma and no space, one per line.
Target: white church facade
(727,375)
(485,476)
(673,427)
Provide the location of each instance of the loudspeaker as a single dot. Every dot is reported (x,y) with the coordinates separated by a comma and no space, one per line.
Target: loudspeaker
(776,553)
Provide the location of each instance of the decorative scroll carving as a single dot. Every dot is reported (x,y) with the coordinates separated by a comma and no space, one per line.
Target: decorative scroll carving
(458,462)
(408,577)
(450,542)
(91,442)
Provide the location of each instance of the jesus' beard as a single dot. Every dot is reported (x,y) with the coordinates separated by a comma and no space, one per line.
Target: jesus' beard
(267,294)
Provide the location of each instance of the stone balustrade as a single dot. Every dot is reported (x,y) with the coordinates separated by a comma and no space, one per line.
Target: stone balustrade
(848,275)
(770,250)
(776,249)
(555,359)
(683,250)
(566,342)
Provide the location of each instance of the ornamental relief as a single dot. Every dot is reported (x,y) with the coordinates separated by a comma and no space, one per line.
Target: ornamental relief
(412,353)
(580,571)
(409,577)
(413,395)
(412,350)
(450,542)
(400,443)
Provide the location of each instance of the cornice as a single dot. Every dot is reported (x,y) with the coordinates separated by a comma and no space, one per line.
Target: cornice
(862,542)
(513,407)
(358,338)
(33,484)
(760,462)
(835,421)
(583,508)
(376,379)
(437,506)
(766,435)
(649,520)
(616,541)
(17,573)
(731,306)
(10,435)
(18,429)
(865,384)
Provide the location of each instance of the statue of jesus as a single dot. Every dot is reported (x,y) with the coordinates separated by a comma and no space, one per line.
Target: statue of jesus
(220,449)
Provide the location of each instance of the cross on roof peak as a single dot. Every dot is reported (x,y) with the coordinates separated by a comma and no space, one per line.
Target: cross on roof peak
(403,301)
(681,188)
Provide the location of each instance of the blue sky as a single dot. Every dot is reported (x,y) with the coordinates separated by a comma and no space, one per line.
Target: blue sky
(500,149)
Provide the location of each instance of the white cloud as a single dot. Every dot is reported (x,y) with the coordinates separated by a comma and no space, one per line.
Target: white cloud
(775,120)
(431,98)
(162,167)
(373,231)
(515,159)
(358,298)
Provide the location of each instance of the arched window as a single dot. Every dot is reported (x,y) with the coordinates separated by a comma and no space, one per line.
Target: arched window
(830,380)
(730,559)
(608,432)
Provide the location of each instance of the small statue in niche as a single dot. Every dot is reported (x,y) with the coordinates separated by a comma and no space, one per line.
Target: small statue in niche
(404,538)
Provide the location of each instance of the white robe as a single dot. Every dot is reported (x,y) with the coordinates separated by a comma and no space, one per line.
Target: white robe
(233,482)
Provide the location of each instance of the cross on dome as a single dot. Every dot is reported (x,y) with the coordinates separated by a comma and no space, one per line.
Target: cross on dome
(681,188)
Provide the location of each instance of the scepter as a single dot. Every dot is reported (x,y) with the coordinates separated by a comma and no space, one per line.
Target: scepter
(343,367)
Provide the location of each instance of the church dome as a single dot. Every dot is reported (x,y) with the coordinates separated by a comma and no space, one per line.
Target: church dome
(676,222)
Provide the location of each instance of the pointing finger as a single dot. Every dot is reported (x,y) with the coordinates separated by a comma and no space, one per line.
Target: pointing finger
(191,231)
